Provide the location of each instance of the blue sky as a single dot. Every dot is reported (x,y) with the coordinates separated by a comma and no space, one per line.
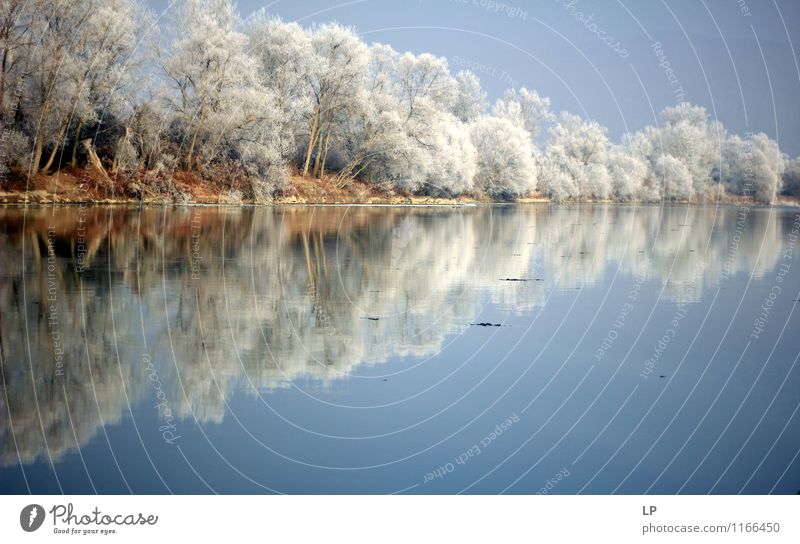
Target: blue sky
(600,58)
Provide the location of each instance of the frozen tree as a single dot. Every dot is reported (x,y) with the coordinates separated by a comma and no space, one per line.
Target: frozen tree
(424,81)
(207,65)
(767,167)
(505,162)
(103,68)
(791,177)
(337,75)
(401,130)
(221,112)
(752,167)
(17,38)
(78,60)
(452,159)
(52,87)
(375,142)
(556,179)
(679,155)
(688,137)
(674,176)
(585,141)
(526,108)
(426,93)
(628,173)
(144,136)
(285,59)
(579,148)
(391,156)
(471,100)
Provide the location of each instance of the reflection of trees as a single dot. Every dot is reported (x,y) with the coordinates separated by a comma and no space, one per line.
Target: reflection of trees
(300,293)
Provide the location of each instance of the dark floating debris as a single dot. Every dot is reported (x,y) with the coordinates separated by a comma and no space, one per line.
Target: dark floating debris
(514,279)
(385,380)
(371,318)
(486,324)
(662,376)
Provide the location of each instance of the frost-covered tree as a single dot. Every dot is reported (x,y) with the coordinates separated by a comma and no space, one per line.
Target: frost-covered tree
(207,66)
(17,38)
(285,58)
(674,176)
(52,88)
(526,108)
(553,180)
(221,111)
(471,100)
(426,92)
(75,60)
(103,69)
(335,78)
(791,177)
(579,150)
(452,159)
(401,128)
(688,136)
(752,167)
(424,81)
(505,158)
(628,173)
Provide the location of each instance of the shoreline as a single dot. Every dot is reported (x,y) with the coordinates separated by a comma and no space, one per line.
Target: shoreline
(66,188)
(416,202)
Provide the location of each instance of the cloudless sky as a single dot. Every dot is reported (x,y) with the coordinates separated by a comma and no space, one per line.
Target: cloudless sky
(734,57)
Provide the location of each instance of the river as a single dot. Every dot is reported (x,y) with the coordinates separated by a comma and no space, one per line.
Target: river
(480,349)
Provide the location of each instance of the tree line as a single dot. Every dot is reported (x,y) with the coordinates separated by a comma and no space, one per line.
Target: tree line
(108,86)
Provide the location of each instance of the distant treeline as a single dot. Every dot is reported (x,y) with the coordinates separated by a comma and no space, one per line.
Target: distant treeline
(107,86)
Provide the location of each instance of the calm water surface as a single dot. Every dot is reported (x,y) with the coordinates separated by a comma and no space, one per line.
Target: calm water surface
(503,349)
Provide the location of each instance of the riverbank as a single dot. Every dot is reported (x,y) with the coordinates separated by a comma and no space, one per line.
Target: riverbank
(74,186)
(80,186)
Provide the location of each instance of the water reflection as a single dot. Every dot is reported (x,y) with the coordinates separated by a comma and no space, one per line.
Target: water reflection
(99,305)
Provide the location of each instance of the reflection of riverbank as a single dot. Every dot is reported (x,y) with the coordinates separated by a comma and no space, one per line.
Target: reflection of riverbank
(228,299)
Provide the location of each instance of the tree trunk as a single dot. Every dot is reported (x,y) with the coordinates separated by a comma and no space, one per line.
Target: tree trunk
(94,160)
(200,119)
(54,152)
(123,141)
(318,158)
(45,93)
(78,129)
(189,158)
(325,154)
(312,139)
(3,81)
(39,145)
